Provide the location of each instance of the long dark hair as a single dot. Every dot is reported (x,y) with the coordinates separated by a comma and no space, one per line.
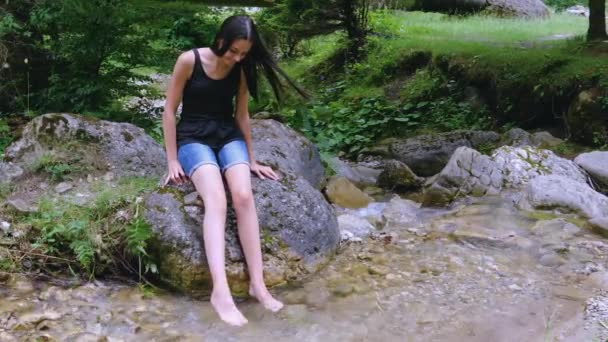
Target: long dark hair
(258,57)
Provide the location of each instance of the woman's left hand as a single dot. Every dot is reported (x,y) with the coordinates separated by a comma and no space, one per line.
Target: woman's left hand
(263,171)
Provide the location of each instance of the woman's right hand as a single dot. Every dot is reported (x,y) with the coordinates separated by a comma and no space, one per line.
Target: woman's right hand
(176,173)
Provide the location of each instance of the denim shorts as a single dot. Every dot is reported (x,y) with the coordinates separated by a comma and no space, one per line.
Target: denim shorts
(193,155)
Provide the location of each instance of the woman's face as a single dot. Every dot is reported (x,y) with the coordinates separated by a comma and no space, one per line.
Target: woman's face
(237,51)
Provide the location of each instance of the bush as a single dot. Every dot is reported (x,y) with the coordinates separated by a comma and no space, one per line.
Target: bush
(109,236)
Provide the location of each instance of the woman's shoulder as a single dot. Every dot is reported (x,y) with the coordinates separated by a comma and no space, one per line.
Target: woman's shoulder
(186,57)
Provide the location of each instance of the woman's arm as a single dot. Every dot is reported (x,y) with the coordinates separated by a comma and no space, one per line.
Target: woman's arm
(181,72)
(242,120)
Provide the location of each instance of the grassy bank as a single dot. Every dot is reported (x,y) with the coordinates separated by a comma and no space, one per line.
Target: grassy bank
(428,71)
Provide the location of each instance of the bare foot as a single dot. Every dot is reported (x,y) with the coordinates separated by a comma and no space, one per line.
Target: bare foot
(264,297)
(227,310)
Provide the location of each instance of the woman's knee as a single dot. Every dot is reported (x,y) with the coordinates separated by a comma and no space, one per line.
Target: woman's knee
(215,201)
(242,198)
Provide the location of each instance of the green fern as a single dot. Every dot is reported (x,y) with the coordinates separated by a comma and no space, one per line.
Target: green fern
(138,232)
(85,253)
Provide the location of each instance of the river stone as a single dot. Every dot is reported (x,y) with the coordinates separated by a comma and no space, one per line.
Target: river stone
(21,205)
(401,213)
(560,192)
(299,232)
(63,187)
(467,172)
(521,164)
(397,176)
(426,155)
(517,137)
(362,173)
(344,193)
(287,151)
(478,235)
(9,172)
(596,164)
(123,148)
(353,227)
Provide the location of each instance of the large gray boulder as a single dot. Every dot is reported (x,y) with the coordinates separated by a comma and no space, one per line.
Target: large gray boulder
(428,154)
(286,150)
(94,145)
(516,8)
(471,173)
(467,172)
(559,192)
(596,165)
(299,233)
(298,227)
(521,164)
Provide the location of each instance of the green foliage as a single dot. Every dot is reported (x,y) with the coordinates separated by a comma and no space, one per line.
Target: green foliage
(79,53)
(7,265)
(568,149)
(600,139)
(290,21)
(350,125)
(425,84)
(94,47)
(108,236)
(56,169)
(196,30)
(5,136)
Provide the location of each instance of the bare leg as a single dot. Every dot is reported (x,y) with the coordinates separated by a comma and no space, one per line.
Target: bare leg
(239,181)
(208,182)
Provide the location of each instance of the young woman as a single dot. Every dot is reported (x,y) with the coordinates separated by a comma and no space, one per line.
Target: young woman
(212,139)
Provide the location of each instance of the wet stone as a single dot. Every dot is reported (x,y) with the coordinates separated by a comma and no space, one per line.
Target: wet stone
(379,270)
(343,290)
(191,198)
(358,270)
(295,313)
(551,260)
(63,187)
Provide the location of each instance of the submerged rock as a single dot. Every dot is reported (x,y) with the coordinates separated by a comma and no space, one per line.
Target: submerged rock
(343,193)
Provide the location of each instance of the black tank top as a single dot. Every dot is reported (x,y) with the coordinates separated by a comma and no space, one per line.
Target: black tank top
(208,107)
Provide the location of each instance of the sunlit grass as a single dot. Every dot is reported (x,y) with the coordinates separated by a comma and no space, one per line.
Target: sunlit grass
(518,45)
(434,26)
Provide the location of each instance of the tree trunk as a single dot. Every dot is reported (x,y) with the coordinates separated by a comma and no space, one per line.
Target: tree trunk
(355,13)
(597,20)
